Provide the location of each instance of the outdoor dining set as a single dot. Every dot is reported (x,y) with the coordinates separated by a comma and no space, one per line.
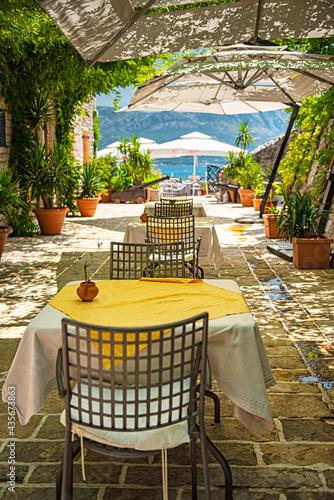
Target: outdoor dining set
(135,364)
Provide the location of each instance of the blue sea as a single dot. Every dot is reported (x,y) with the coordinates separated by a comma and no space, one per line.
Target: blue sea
(183,171)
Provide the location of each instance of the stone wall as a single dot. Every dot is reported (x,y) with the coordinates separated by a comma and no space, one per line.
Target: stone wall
(267,153)
(83,133)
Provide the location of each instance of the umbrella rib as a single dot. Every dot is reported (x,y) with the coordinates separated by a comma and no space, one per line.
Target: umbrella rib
(154,91)
(255,77)
(315,77)
(282,90)
(120,33)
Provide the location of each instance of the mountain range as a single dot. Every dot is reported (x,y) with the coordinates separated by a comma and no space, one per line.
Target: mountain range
(168,125)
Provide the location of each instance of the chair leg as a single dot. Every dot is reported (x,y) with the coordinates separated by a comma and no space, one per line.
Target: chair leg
(200,273)
(226,468)
(215,398)
(193,468)
(59,481)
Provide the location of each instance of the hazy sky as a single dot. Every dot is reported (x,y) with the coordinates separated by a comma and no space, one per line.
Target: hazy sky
(106,100)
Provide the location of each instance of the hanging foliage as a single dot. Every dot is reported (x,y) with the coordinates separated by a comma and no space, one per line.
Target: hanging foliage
(313,145)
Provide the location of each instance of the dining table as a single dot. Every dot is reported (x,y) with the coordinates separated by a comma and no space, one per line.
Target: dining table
(236,352)
(210,248)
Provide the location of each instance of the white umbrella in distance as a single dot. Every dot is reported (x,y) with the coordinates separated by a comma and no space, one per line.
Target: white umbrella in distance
(194,144)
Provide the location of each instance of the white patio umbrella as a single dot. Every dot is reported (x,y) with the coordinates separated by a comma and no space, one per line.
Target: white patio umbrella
(194,144)
(112,148)
(114,30)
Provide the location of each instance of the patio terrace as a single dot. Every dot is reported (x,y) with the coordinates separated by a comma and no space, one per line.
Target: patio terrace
(294,310)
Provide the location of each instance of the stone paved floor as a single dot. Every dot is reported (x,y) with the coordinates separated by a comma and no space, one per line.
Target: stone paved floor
(294,309)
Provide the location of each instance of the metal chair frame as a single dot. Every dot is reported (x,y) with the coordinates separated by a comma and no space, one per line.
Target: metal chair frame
(173,210)
(181,198)
(106,389)
(134,260)
(173,230)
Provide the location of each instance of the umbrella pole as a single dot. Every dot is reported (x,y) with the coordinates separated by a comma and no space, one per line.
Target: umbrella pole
(194,174)
(272,176)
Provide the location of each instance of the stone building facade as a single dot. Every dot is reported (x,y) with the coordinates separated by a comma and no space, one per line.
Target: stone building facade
(83,134)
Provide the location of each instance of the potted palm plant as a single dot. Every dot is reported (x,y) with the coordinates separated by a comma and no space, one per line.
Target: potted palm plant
(106,167)
(46,177)
(299,222)
(91,184)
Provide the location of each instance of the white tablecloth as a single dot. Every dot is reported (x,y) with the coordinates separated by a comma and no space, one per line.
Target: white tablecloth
(235,349)
(198,209)
(136,231)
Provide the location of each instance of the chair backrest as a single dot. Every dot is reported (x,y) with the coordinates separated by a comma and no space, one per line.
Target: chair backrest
(170,198)
(130,261)
(171,230)
(173,210)
(130,379)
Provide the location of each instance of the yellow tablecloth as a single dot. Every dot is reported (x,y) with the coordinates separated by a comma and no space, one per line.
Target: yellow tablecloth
(149,302)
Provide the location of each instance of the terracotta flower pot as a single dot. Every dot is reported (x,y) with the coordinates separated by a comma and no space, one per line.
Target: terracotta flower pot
(311,253)
(270,229)
(204,192)
(87,291)
(256,204)
(233,196)
(246,197)
(143,217)
(51,220)
(106,198)
(87,206)
(4,232)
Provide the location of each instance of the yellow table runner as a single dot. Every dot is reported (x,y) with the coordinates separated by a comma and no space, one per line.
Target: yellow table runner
(147,302)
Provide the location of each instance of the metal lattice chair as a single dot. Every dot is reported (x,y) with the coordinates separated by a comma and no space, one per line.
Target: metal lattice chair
(133,392)
(131,261)
(175,198)
(173,210)
(160,260)
(173,230)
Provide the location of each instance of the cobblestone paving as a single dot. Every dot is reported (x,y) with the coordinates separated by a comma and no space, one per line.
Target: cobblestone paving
(294,309)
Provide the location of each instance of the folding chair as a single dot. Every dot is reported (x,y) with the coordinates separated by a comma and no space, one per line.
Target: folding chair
(173,230)
(131,261)
(133,392)
(176,210)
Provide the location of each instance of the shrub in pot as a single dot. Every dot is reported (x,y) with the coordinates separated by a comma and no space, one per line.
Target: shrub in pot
(46,177)
(299,222)
(259,192)
(90,185)
(270,218)
(106,167)
(249,176)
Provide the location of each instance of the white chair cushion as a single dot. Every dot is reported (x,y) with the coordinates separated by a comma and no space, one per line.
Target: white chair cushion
(169,436)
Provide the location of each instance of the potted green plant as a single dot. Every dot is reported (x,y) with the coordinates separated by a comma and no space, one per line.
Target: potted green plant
(90,185)
(259,192)
(204,190)
(106,167)
(270,218)
(87,290)
(299,222)
(46,177)
(249,176)
(9,199)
